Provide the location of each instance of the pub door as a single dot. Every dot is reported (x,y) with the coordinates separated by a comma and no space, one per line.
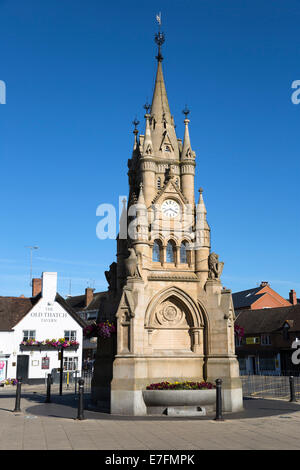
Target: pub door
(22,367)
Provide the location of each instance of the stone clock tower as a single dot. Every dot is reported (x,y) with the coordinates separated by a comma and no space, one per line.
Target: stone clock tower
(174,320)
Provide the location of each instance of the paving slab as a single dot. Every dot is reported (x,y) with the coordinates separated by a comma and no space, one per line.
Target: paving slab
(264,424)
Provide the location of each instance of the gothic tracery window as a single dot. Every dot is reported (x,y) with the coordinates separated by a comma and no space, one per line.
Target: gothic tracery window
(183,255)
(156,251)
(170,252)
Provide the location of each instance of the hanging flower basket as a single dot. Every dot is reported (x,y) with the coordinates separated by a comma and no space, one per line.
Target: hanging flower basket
(239,331)
(99,330)
(47,344)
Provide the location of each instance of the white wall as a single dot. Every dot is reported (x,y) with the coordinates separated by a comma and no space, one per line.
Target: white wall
(49,320)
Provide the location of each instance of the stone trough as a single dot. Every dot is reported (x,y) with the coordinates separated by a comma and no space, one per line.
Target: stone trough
(179,402)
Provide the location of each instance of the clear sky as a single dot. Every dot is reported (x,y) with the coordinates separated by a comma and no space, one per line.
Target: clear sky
(77,72)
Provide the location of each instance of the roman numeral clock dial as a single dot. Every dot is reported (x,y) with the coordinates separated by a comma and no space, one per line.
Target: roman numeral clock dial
(170,208)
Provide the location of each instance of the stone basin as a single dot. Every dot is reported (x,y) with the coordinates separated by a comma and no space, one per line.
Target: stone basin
(157,401)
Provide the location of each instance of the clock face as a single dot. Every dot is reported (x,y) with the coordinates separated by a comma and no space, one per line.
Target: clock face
(170,208)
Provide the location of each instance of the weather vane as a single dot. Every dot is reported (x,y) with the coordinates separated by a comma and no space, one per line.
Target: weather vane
(159,37)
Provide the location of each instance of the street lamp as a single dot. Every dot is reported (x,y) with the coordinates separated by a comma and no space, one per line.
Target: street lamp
(31,250)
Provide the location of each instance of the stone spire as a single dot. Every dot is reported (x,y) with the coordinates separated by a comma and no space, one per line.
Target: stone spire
(186,148)
(148,146)
(141,217)
(202,227)
(164,138)
(187,163)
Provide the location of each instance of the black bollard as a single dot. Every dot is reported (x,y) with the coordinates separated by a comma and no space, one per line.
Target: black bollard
(219,416)
(292,389)
(76,382)
(18,395)
(48,397)
(80,399)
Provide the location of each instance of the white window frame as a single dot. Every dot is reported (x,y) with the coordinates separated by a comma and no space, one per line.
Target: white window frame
(28,335)
(71,336)
(70,363)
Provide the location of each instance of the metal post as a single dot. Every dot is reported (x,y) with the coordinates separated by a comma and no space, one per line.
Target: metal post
(292,389)
(76,381)
(219,416)
(18,395)
(61,370)
(80,399)
(48,397)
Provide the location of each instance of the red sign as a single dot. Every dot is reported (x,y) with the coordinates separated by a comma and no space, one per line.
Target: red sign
(45,362)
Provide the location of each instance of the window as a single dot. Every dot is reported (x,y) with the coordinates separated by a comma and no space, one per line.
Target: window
(28,334)
(242,363)
(170,258)
(267,363)
(183,257)
(158,183)
(70,363)
(156,251)
(265,340)
(70,335)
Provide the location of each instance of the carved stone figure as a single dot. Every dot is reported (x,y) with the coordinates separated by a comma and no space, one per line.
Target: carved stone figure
(111,276)
(131,264)
(215,266)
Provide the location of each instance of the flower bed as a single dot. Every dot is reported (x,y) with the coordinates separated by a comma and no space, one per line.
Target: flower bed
(186,396)
(47,343)
(8,382)
(99,330)
(181,386)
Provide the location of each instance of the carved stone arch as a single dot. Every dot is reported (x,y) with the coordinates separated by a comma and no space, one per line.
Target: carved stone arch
(206,330)
(174,322)
(181,296)
(173,239)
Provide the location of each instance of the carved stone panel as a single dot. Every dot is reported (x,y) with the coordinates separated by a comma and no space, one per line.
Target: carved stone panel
(170,315)
(170,327)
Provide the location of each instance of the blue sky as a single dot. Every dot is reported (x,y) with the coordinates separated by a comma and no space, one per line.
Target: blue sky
(77,72)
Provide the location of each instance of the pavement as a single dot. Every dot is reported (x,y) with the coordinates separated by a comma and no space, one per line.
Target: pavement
(263,425)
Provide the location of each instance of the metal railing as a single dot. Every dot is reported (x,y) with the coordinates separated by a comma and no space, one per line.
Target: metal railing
(270,386)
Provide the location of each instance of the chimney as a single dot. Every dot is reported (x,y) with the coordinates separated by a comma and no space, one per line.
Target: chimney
(49,286)
(89,294)
(264,284)
(293,297)
(36,286)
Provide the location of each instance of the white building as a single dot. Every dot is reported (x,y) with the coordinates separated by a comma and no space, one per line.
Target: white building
(44,316)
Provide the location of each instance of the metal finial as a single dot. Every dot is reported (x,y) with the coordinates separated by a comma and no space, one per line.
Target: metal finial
(159,39)
(147,107)
(186,111)
(135,123)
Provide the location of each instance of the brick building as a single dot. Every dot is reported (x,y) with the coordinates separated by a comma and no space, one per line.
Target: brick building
(266,347)
(261,297)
